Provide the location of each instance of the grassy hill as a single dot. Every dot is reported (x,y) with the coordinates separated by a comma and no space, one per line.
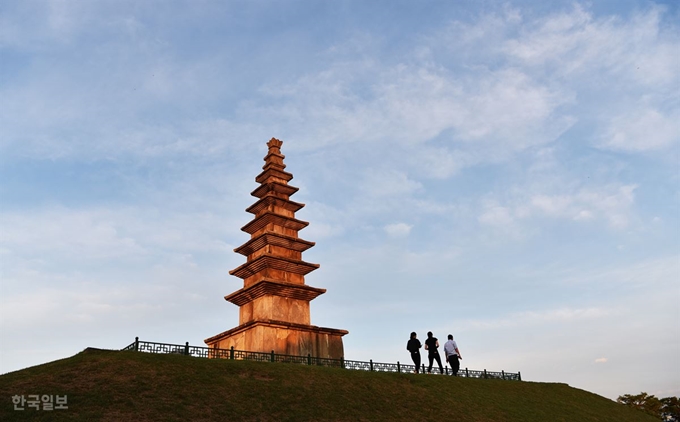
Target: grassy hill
(119,386)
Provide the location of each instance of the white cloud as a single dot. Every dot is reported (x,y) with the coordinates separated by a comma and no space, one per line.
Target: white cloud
(630,64)
(319,230)
(642,130)
(574,43)
(398,229)
(82,234)
(411,104)
(496,216)
(76,239)
(512,110)
(389,183)
(532,318)
(609,203)
(657,274)
(584,215)
(437,163)
(551,205)
(507,97)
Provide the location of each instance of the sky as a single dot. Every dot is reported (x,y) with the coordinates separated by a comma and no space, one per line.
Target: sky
(507,172)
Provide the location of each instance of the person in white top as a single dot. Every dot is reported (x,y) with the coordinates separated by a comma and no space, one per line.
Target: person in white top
(452,355)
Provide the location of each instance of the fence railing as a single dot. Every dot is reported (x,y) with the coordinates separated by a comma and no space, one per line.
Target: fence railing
(207,352)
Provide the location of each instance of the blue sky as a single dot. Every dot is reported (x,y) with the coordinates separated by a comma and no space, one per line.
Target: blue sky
(504,171)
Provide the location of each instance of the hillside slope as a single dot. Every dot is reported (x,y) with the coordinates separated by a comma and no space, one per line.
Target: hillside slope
(118,386)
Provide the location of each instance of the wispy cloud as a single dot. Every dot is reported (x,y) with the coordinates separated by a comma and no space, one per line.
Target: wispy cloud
(398,229)
(642,130)
(611,204)
(532,318)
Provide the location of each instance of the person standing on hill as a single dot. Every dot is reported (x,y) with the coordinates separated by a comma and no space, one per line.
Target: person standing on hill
(452,355)
(413,346)
(431,345)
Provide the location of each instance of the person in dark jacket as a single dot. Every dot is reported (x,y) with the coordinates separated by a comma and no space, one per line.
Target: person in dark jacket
(431,345)
(413,346)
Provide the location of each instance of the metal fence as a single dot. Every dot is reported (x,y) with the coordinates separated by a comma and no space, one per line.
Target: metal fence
(207,352)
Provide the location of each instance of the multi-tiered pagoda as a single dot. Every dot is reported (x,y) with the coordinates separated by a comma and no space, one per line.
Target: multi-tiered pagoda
(274,300)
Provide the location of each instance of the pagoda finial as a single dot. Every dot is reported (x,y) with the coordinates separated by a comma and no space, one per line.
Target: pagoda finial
(274,143)
(274,158)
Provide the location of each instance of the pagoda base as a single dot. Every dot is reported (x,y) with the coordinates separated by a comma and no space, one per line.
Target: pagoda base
(283,338)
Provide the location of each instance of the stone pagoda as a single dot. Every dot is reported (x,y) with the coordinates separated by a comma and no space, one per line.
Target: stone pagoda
(274,301)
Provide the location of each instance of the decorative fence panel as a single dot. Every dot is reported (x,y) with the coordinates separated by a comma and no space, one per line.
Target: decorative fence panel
(206,352)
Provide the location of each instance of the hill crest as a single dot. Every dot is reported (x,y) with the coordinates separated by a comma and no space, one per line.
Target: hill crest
(112,386)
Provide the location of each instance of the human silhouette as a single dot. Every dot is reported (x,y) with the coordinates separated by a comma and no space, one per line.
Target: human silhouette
(452,355)
(431,345)
(414,346)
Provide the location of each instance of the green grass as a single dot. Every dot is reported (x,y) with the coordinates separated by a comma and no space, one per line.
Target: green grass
(130,386)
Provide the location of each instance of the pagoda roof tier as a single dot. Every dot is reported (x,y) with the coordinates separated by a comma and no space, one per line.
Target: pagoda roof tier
(273,165)
(286,204)
(274,158)
(271,171)
(275,239)
(279,220)
(266,261)
(277,187)
(276,288)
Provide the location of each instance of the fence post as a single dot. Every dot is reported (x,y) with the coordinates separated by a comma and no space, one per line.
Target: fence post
(502,374)
(309,359)
(519,376)
(371,364)
(423,368)
(447,370)
(342,362)
(398,367)
(231,353)
(484,373)
(273,358)
(186,348)
(136,344)
(467,374)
